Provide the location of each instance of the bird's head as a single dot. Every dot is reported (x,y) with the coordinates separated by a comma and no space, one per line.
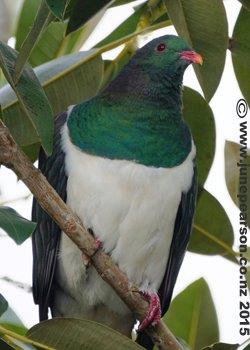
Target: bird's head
(155,72)
(167,56)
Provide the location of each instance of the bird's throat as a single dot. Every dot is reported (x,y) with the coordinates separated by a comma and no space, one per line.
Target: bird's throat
(154,87)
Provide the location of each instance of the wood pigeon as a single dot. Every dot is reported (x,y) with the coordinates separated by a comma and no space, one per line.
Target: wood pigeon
(124,162)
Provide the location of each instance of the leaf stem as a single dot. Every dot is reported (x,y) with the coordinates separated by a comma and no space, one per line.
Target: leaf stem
(192,337)
(24,339)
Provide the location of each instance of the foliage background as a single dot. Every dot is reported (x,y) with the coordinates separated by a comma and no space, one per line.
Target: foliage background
(222,275)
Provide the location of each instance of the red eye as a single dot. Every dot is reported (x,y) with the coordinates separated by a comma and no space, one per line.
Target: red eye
(161,47)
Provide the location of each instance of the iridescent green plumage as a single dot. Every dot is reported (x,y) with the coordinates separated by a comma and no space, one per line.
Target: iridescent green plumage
(139,115)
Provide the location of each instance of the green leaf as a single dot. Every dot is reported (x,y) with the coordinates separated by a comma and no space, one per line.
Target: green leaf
(203,24)
(246,4)
(21,342)
(58,7)
(199,116)
(130,25)
(192,316)
(247,255)
(108,73)
(36,117)
(71,334)
(41,21)
(17,227)
(74,41)
(222,346)
(3,304)
(9,321)
(84,11)
(211,236)
(32,151)
(3,81)
(25,21)
(232,153)
(233,171)
(112,68)
(240,47)
(163,18)
(12,322)
(122,2)
(69,9)
(67,80)
(248,277)
(52,43)
(127,27)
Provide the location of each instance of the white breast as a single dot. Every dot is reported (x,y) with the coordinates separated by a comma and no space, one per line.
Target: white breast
(130,207)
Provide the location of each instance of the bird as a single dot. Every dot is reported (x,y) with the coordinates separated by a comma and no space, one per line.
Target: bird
(124,162)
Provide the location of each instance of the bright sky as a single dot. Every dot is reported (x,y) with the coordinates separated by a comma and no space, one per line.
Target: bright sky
(221,275)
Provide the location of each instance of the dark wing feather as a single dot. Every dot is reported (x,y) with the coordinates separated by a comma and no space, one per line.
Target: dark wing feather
(46,238)
(182,230)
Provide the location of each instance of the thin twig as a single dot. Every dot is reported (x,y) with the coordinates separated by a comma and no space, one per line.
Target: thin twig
(12,157)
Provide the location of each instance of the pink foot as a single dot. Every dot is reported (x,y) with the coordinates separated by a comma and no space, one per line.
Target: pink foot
(154,312)
(98,243)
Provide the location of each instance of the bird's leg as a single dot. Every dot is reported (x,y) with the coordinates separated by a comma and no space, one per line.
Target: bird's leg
(154,311)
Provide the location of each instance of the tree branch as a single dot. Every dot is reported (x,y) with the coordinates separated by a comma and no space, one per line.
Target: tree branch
(12,157)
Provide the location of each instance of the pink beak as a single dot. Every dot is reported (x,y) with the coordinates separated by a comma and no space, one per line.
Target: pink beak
(191,56)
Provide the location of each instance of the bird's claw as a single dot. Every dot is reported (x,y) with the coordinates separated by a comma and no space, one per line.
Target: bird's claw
(98,244)
(85,258)
(154,311)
